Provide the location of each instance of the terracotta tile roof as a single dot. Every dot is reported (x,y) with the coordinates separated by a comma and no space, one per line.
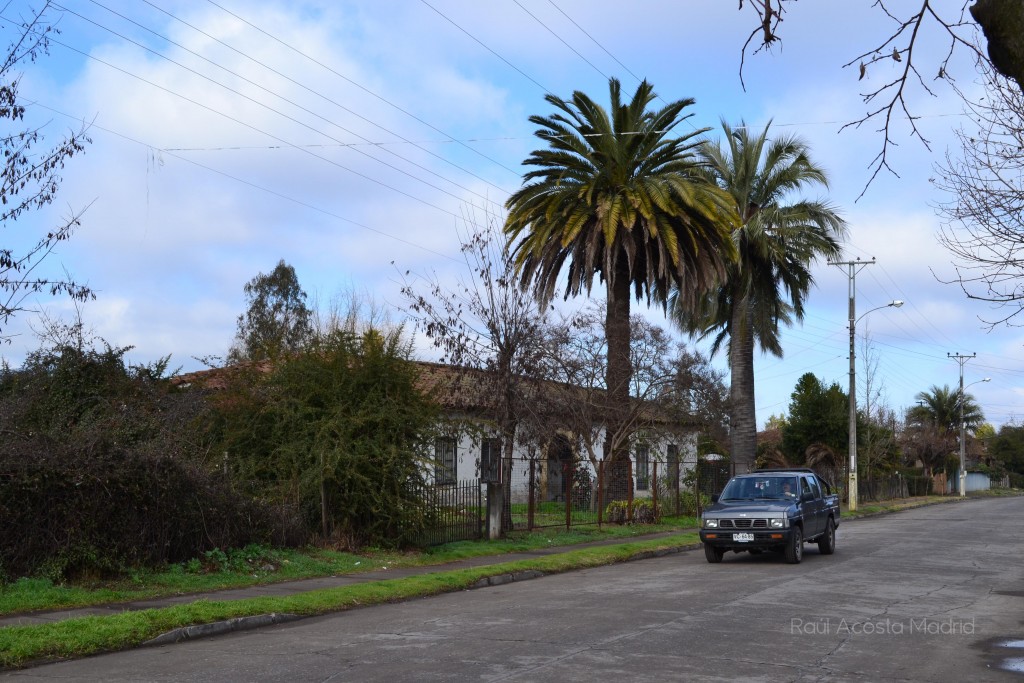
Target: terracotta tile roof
(462,389)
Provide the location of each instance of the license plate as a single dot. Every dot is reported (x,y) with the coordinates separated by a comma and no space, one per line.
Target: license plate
(743,537)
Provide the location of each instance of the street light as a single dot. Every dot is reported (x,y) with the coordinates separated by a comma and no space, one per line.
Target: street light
(963,430)
(853,397)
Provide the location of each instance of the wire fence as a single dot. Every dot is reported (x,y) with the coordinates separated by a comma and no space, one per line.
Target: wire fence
(543,493)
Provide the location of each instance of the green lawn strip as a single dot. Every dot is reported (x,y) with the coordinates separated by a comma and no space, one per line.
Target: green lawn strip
(895,506)
(27,595)
(21,645)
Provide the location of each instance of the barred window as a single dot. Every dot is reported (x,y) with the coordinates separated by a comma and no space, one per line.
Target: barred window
(643,468)
(444,461)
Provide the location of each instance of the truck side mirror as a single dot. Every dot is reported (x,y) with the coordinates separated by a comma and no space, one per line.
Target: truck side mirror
(714,497)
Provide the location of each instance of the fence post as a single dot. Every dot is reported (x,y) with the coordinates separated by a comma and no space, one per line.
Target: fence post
(532,497)
(654,490)
(567,478)
(675,484)
(696,488)
(600,491)
(629,491)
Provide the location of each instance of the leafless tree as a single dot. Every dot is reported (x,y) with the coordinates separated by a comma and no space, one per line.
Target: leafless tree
(983,224)
(888,101)
(488,328)
(30,179)
(674,391)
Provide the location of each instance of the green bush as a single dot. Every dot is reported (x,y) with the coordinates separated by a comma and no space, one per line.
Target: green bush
(643,512)
(68,511)
(688,503)
(100,469)
(341,432)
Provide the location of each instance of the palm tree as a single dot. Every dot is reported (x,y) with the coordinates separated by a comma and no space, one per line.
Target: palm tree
(933,425)
(940,407)
(613,196)
(779,236)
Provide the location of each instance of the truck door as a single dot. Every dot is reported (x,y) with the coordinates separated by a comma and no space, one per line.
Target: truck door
(814,522)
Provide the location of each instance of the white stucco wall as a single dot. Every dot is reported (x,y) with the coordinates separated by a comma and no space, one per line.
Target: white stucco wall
(548,471)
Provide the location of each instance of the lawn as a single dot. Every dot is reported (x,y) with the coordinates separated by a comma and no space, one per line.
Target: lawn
(258,565)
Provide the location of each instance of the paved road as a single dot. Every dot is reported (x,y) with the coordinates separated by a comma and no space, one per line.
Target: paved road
(933,594)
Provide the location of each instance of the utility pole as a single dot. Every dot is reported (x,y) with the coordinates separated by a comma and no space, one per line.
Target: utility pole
(853,267)
(961,359)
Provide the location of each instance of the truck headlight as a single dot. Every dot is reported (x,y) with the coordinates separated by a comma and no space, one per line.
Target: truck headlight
(711,523)
(777,523)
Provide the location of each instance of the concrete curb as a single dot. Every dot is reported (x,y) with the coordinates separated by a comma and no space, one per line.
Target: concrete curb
(217,628)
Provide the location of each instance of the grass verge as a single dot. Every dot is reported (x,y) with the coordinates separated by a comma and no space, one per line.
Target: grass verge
(21,645)
(257,566)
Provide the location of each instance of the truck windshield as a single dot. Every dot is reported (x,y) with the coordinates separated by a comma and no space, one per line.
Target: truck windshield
(761,488)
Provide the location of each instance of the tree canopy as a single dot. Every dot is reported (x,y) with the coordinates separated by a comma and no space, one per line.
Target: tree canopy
(276,321)
(817,414)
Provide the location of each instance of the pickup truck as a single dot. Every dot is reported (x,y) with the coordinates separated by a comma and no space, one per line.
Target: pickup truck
(778,509)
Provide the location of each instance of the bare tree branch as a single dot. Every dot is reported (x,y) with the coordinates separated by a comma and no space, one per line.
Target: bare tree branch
(983,225)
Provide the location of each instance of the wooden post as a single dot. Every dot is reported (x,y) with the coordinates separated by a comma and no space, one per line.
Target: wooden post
(600,492)
(629,492)
(696,487)
(567,478)
(654,489)
(531,501)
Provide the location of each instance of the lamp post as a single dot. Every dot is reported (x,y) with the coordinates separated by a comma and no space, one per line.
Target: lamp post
(963,430)
(853,395)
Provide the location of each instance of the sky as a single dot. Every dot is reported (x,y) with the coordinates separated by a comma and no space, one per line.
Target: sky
(353,138)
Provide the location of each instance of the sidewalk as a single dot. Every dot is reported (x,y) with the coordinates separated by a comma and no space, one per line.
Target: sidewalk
(302,586)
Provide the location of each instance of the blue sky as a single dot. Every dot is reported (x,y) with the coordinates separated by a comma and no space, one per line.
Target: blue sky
(351,136)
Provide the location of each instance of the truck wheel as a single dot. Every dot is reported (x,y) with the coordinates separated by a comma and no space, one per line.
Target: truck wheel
(827,542)
(795,547)
(713,554)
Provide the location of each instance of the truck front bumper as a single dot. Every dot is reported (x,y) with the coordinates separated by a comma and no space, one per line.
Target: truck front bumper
(735,540)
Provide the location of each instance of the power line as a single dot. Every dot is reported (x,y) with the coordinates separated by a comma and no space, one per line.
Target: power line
(254,128)
(481,44)
(275,94)
(352,82)
(261,188)
(595,41)
(562,40)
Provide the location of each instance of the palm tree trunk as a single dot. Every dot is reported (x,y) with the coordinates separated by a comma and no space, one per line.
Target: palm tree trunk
(618,374)
(743,415)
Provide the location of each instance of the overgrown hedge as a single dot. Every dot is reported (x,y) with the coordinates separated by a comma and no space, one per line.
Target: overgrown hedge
(70,511)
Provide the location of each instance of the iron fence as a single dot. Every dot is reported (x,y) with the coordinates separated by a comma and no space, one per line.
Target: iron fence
(454,512)
(546,493)
(898,486)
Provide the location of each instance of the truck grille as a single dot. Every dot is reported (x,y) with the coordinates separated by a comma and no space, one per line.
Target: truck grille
(743,524)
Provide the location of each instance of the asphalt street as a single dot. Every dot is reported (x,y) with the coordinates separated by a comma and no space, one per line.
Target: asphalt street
(931,594)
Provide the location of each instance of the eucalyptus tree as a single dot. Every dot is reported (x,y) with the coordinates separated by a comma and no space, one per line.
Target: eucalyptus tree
(616,195)
(778,235)
(276,321)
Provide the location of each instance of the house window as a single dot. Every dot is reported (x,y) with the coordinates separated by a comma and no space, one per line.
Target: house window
(643,468)
(444,461)
(490,461)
